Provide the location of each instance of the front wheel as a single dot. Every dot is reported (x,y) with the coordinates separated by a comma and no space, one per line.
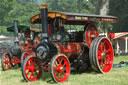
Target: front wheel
(6,62)
(59,68)
(31,69)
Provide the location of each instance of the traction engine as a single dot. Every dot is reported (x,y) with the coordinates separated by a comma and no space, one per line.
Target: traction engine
(17,52)
(61,52)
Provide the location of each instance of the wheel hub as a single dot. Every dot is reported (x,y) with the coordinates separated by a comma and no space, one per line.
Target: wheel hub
(6,61)
(32,68)
(104,55)
(59,68)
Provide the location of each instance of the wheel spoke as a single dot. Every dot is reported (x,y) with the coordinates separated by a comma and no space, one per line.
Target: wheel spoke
(36,72)
(100,48)
(31,75)
(27,67)
(99,57)
(31,61)
(64,64)
(108,50)
(59,75)
(64,72)
(55,73)
(59,60)
(28,72)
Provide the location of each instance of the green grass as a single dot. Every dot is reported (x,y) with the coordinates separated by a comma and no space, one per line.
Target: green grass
(117,76)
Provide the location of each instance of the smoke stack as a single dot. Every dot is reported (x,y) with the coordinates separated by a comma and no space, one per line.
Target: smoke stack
(16,28)
(44,21)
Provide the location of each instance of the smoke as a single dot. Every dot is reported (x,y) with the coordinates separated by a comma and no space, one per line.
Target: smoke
(39,2)
(105,7)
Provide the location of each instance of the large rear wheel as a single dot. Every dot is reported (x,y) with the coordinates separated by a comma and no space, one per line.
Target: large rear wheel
(101,55)
(59,68)
(31,68)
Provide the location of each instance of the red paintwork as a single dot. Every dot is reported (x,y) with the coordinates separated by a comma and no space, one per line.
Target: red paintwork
(15,60)
(25,54)
(61,68)
(111,35)
(50,29)
(91,32)
(105,55)
(6,62)
(70,49)
(46,68)
(32,69)
(28,47)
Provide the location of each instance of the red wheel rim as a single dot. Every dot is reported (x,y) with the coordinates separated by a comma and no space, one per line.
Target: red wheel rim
(105,55)
(61,68)
(6,62)
(91,32)
(32,69)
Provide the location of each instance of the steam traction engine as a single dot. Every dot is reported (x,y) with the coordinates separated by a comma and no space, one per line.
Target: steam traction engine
(60,51)
(21,48)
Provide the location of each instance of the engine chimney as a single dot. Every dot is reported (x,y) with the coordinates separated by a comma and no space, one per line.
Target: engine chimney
(16,29)
(44,20)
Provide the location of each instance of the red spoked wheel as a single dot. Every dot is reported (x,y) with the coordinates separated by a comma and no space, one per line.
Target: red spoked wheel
(101,55)
(24,55)
(31,68)
(91,32)
(59,68)
(6,62)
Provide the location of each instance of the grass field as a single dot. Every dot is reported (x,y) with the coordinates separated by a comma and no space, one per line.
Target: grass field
(117,76)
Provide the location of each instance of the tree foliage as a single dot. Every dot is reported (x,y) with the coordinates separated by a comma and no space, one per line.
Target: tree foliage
(11,10)
(119,8)
(23,10)
(78,6)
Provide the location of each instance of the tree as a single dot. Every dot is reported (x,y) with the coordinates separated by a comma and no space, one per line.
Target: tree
(102,6)
(75,6)
(119,9)
(22,13)
(5,7)
(11,10)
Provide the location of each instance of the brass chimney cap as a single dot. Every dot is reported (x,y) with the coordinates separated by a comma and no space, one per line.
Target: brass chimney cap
(43,6)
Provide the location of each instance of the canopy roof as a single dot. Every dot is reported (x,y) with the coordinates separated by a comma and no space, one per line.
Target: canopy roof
(75,18)
(22,28)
